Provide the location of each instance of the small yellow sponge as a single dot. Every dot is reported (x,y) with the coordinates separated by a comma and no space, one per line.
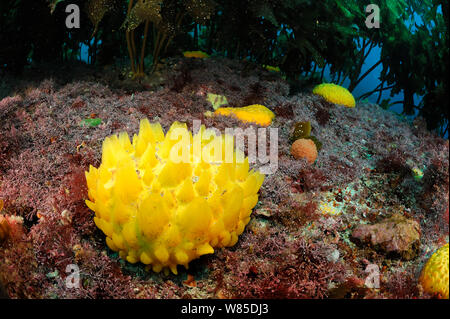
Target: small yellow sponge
(434,277)
(165,200)
(335,94)
(304,148)
(255,113)
(196,54)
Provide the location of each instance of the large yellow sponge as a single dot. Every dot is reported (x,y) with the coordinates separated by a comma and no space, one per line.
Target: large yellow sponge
(335,94)
(434,277)
(166,199)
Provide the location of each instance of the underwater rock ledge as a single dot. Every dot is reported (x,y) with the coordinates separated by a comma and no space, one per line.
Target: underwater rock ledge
(372,165)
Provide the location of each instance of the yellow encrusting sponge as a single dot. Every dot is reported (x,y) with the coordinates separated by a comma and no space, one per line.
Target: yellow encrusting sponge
(434,277)
(196,54)
(255,113)
(272,68)
(335,94)
(165,200)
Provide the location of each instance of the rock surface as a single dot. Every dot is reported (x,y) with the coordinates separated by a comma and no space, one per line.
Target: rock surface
(396,235)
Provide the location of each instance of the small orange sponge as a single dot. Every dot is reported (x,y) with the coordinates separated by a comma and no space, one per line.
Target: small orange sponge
(304,148)
(434,277)
(255,113)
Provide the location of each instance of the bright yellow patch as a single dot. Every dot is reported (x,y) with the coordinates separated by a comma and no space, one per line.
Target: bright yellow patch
(434,277)
(272,68)
(255,113)
(163,212)
(335,94)
(196,54)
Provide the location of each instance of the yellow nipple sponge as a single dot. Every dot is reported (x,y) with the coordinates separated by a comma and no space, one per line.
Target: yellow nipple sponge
(165,200)
(335,94)
(434,277)
(255,113)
